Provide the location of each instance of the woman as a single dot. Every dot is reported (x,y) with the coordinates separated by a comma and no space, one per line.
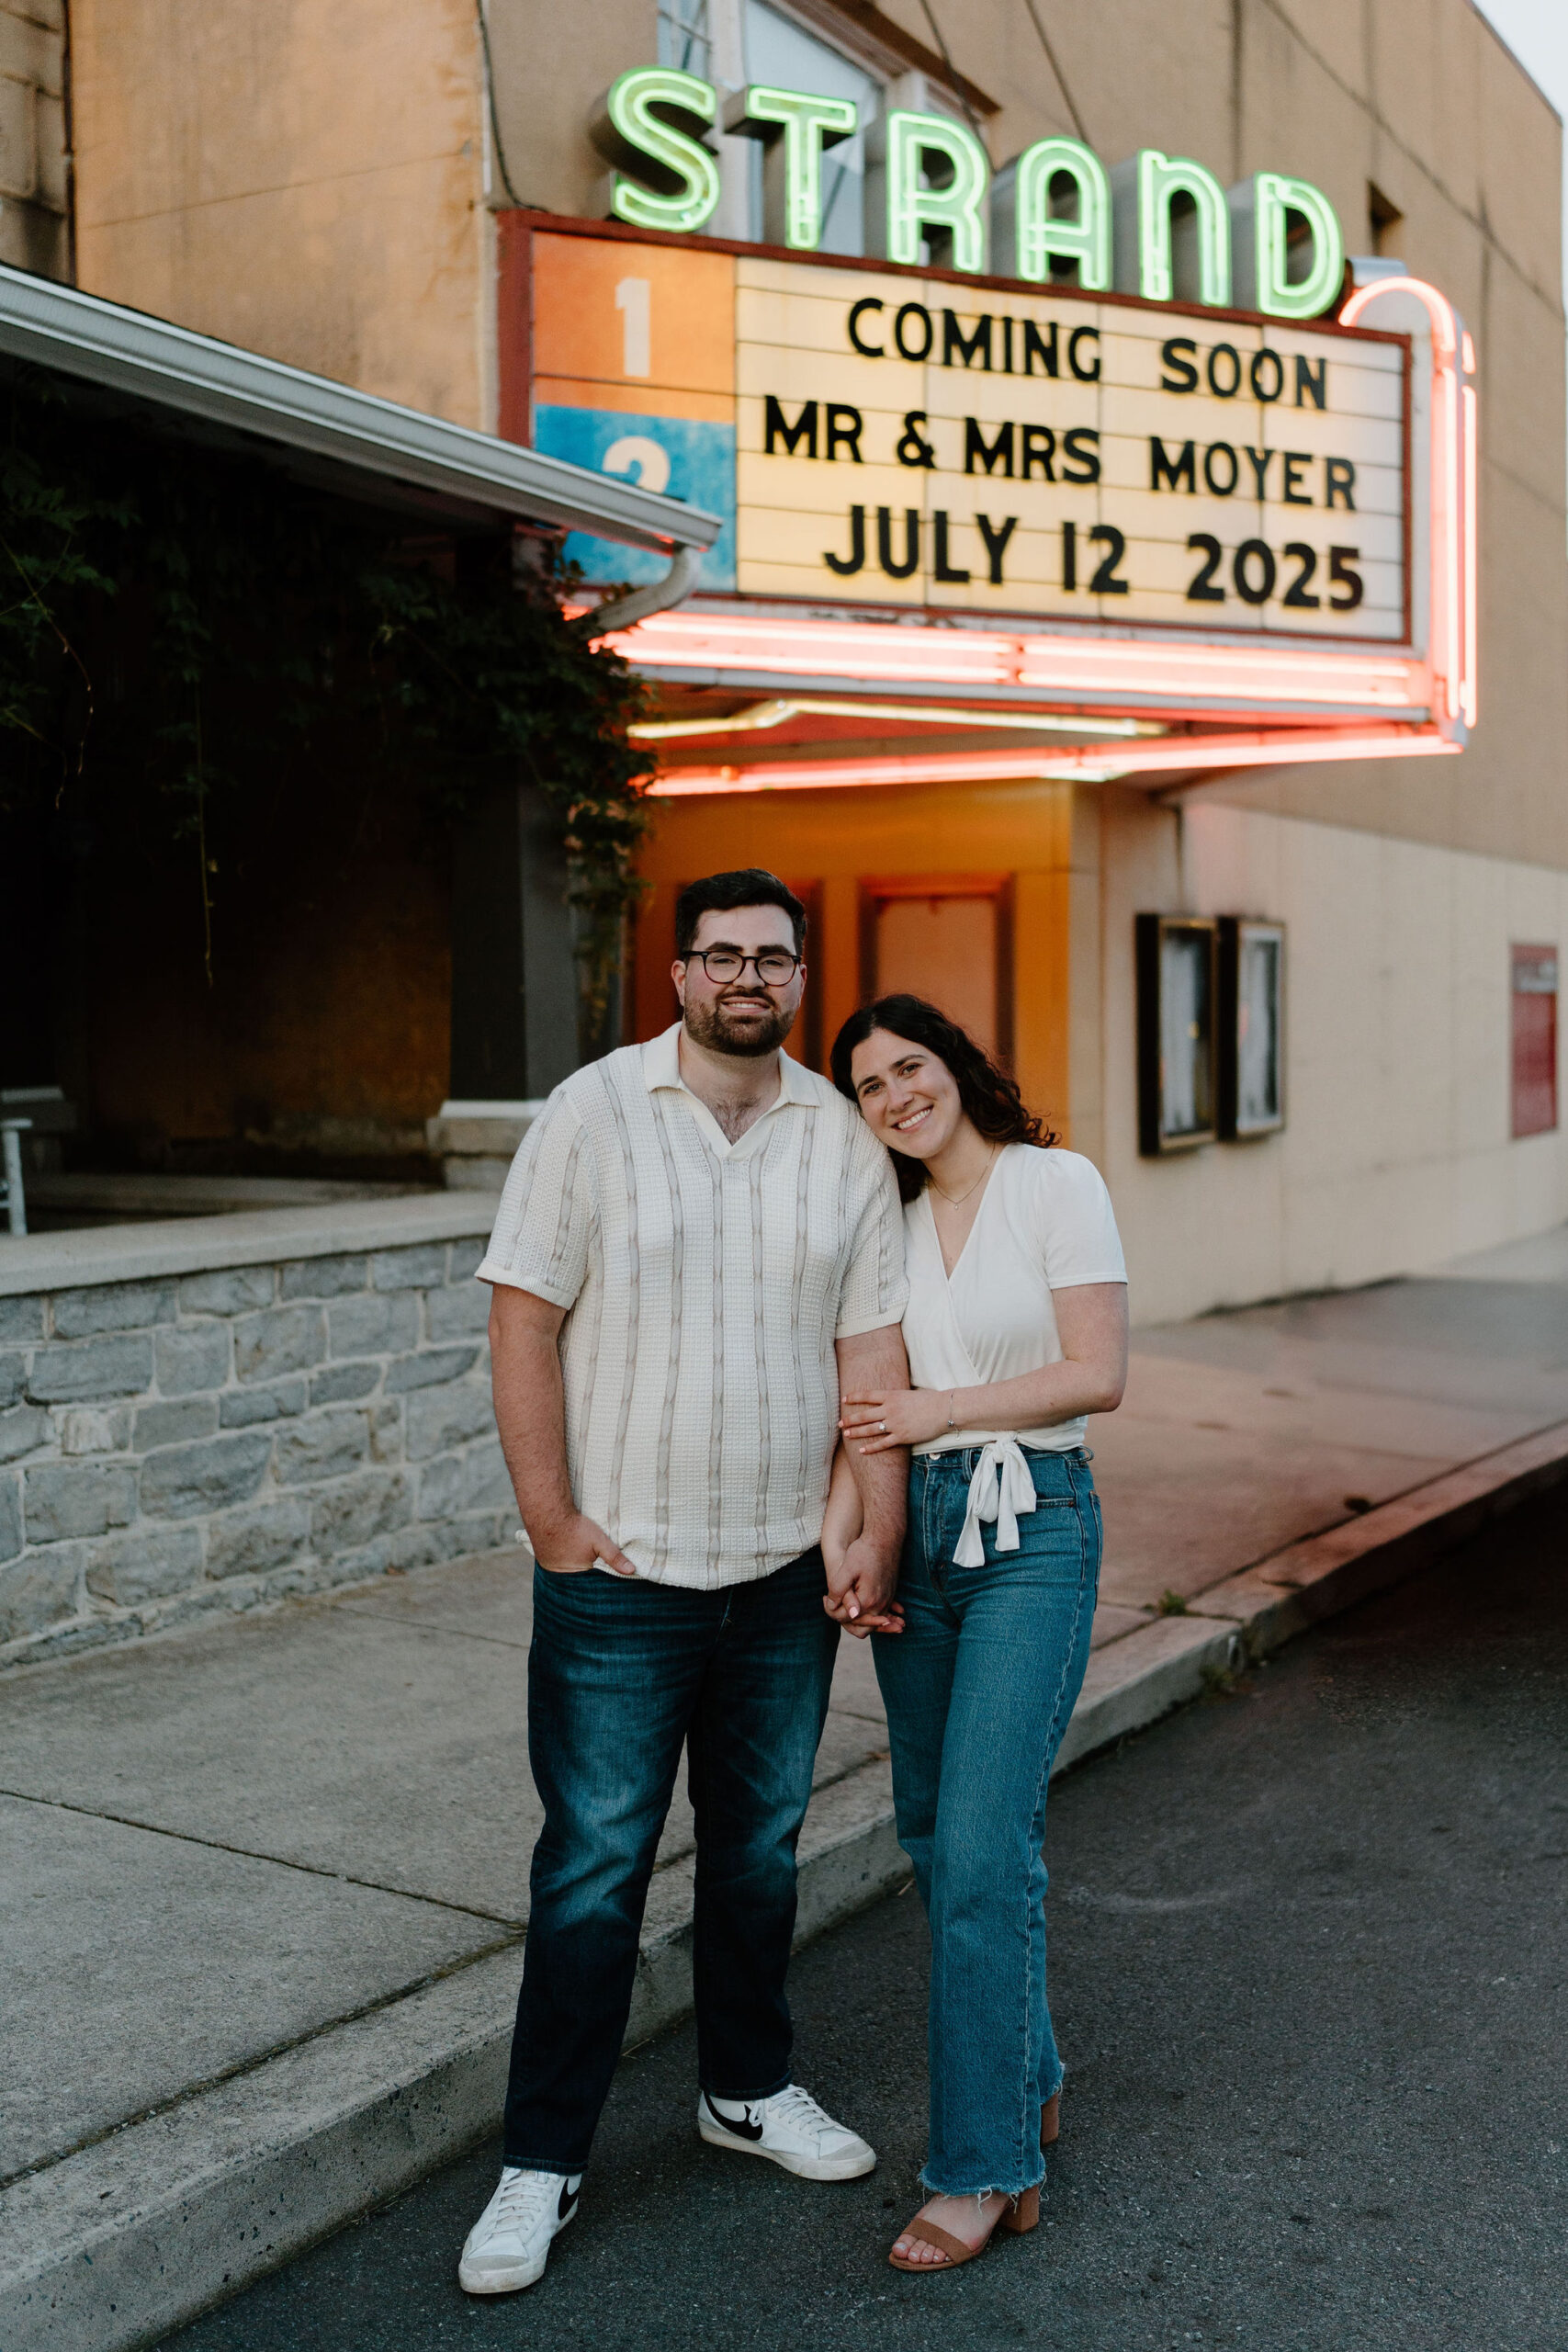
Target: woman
(1016,1329)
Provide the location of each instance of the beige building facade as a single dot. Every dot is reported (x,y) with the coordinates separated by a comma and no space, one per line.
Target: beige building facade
(341,187)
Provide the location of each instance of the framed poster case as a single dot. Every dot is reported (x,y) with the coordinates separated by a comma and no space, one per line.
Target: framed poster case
(1251,1028)
(1177,978)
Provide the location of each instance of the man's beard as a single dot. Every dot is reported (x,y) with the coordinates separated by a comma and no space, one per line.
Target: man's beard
(710,1025)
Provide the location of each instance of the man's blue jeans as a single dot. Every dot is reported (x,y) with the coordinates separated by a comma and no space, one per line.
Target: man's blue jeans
(978,1688)
(621,1673)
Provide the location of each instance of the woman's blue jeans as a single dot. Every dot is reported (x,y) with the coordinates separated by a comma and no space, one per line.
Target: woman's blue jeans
(978,1689)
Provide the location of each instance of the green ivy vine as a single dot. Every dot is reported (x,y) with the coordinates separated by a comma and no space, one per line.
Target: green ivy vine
(174,621)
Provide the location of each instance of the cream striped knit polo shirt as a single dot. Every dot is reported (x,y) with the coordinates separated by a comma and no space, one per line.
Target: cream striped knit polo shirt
(705,1284)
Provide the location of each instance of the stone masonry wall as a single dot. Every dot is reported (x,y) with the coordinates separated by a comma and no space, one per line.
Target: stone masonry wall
(218,1441)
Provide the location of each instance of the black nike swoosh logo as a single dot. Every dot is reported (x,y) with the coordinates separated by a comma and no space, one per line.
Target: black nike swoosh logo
(568,2200)
(744,2130)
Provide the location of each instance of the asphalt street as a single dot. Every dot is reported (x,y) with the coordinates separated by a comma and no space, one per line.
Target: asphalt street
(1309,1962)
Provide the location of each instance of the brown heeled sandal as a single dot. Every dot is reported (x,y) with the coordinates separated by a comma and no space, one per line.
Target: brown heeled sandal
(1051,2121)
(1021,2215)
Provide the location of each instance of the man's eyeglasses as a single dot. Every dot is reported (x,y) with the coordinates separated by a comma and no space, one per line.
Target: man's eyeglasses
(775,965)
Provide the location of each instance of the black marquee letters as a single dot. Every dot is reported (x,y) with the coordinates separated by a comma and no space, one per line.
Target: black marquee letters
(968,346)
(844,427)
(989,455)
(1167,472)
(1253,572)
(913,448)
(1080,454)
(996,536)
(911,542)
(844,565)
(1086,372)
(1180,375)
(942,568)
(775,428)
(913,311)
(1232,469)
(1041,348)
(858,312)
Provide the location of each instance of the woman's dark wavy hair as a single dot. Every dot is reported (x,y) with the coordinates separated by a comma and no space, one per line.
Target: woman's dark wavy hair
(990,1097)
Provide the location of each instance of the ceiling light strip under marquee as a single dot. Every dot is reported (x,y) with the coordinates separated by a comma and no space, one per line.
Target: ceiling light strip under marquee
(762,715)
(875,653)
(1096,762)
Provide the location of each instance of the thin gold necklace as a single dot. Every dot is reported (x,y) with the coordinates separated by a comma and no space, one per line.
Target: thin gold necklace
(955,1200)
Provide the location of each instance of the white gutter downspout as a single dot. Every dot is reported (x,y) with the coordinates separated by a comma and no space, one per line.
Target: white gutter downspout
(676,586)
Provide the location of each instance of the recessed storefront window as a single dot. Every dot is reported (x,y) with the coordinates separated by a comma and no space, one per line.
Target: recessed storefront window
(1534,998)
(685,36)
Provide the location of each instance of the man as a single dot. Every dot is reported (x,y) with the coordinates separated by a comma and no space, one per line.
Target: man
(699,1244)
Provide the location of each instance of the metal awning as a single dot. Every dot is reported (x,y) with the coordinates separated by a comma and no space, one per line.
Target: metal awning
(352,435)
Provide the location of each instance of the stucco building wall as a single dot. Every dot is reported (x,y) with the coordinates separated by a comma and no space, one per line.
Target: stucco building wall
(302,179)
(1396,1154)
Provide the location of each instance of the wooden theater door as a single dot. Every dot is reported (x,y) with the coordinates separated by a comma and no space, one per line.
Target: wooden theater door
(947,937)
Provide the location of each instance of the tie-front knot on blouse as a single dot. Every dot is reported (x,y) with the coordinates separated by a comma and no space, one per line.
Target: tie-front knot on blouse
(1001,1491)
(1044,1224)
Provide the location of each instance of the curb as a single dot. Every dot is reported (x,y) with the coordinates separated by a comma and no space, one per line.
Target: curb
(114,2247)
(252,2172)
(1131,1683)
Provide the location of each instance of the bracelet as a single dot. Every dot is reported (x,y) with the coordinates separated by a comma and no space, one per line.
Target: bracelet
(951,1397)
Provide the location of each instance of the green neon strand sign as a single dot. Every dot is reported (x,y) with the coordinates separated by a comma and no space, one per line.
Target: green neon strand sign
(1041,237)
(629,107)
(915,208)
(1145,192)
(1260,210)
(792,166)
(1160,227)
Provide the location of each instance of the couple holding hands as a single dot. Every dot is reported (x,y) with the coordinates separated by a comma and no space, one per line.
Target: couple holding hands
(775,1360)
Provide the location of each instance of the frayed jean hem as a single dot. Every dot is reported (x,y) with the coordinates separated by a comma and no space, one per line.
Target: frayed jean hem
(992,2188)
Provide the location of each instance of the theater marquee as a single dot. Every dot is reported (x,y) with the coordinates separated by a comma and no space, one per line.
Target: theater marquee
(899,442)
(1093,481)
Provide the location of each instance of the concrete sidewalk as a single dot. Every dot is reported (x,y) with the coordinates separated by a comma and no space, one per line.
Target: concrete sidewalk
(266,1882)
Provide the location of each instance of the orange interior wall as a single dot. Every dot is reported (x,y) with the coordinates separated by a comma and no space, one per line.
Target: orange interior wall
(836,839)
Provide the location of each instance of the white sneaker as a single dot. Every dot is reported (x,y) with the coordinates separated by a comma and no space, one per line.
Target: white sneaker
(509,2243)
(790,2129)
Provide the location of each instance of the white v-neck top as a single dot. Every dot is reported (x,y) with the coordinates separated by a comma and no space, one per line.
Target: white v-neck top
(1044,1224)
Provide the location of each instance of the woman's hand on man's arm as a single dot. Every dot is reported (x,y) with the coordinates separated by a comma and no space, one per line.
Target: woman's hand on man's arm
(872,1422)
(1092,1324)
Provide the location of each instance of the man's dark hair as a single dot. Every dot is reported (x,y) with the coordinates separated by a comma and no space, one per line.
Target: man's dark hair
(751,886)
